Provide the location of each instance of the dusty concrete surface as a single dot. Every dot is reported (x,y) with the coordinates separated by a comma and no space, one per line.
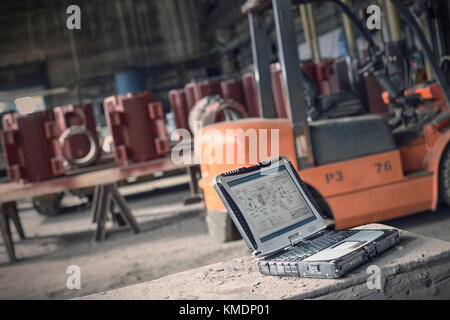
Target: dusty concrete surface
(433,224)
(174,239)
(418,267)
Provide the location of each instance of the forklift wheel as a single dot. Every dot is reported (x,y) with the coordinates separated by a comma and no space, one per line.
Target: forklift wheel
(48,206)
(444,177)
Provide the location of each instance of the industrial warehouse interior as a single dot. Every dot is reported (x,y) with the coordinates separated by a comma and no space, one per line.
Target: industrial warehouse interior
(225,150)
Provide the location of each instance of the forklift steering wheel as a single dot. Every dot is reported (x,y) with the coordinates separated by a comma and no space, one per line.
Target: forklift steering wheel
(374,58)
(366,67)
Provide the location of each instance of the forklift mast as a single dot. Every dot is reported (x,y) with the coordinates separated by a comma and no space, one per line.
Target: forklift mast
(289,62)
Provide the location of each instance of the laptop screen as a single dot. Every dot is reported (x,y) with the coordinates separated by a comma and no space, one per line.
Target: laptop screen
(271,203)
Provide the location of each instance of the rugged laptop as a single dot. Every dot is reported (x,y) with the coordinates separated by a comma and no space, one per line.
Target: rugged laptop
(282,224)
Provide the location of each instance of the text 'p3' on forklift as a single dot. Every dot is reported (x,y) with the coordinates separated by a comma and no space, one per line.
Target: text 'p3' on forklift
(360,168)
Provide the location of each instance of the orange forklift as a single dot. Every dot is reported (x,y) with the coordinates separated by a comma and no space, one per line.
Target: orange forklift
(361,169)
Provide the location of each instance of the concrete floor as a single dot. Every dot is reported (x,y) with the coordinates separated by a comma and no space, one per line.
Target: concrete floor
(174,239)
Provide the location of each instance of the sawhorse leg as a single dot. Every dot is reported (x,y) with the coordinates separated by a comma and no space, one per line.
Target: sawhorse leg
(9,211)
(195,196)
(103,195)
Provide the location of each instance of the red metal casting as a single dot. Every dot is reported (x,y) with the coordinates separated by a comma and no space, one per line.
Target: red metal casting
(137,126)
(30,147)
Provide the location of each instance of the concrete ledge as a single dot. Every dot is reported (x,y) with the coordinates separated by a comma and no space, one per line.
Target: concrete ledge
(417,268)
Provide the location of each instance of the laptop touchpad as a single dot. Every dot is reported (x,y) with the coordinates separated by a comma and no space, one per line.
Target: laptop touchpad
(348,245)
(339,250)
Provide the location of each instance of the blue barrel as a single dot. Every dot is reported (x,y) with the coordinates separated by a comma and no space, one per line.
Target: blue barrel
(130,81)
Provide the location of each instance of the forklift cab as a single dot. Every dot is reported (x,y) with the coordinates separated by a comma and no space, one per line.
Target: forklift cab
(323,141)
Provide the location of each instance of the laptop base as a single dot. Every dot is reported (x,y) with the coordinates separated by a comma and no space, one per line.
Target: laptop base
(332,268)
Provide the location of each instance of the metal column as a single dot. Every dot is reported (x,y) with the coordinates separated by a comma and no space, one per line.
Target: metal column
(350,35)
(261,59)
(312,28)
(290,66)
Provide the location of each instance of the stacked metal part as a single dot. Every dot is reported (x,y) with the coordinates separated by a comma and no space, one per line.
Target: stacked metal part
(31,147)
(137,126)
(323,75)
(190,95)
(213,109)
(44,145)
(309,69)
(251,94)
(179,106)
(77,134)
(207,88)
(183,101)
(195,91)
(233,90)
(279,92)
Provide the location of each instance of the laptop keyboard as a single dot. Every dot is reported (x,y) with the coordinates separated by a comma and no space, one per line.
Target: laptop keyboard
(307,248)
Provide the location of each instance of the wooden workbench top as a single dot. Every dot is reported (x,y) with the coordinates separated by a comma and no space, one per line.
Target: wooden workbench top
(12,191)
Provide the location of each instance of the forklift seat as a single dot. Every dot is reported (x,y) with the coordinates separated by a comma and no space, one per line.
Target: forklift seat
(341,139)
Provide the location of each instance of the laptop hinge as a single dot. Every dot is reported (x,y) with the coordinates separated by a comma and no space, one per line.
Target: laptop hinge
(295,238)
(256,253)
